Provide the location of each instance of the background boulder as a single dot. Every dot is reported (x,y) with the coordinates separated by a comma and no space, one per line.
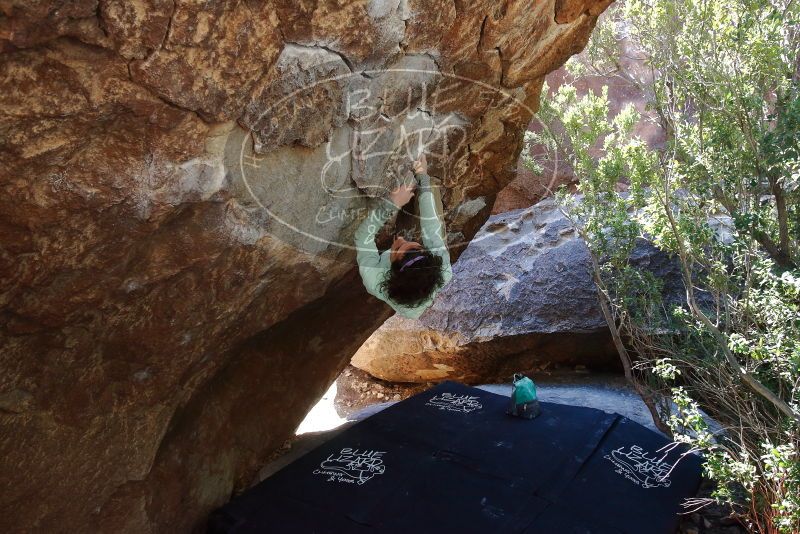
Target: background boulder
(521,298)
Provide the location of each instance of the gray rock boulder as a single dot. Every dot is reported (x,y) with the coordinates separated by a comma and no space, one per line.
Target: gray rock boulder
(521,298)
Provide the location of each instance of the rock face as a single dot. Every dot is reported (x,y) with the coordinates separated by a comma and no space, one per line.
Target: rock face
(521,298)
(181,182)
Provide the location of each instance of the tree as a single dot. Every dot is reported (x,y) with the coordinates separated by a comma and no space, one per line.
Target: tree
(723,82)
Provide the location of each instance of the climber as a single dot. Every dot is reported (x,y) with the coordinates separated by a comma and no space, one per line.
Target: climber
(408,275)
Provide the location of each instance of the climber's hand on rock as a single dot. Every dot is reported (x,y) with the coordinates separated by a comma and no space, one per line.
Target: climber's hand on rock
(402,194)
(421,165)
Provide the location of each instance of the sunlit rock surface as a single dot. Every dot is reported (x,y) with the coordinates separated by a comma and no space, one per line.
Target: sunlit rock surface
(180,184)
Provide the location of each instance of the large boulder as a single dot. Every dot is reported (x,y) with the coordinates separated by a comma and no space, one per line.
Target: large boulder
(521,298)
(181,181)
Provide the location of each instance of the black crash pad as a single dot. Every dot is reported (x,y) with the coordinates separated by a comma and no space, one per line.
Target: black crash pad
(450,460)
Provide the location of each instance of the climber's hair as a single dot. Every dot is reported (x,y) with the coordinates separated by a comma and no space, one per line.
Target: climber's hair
(410,281)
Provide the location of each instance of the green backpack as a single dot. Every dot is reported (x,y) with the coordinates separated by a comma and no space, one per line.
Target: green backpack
(524,402)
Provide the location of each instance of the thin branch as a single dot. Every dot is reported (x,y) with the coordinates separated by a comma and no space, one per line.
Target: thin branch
(746,376)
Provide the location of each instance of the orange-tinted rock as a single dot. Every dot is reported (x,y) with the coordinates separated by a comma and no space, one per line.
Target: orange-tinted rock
(176,289)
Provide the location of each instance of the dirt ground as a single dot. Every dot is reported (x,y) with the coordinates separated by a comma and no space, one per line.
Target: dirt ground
(357,389)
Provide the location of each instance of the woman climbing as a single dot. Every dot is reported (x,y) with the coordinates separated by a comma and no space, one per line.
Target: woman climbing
(408,275)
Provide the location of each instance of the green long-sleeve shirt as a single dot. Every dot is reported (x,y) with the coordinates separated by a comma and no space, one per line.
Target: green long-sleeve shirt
(374,266)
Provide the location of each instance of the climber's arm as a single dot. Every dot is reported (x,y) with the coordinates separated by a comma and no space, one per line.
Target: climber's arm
(432,226)
(369,261)
(367,252)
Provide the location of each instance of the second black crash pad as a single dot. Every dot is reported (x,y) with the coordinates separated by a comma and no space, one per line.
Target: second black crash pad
(450,460)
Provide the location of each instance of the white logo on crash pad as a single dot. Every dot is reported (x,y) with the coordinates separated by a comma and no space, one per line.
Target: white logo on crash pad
(352,466)
(641,469)
(455,403)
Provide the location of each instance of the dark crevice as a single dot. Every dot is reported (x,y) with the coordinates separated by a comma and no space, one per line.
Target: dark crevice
(100,22)
(502,65)
(166,32)
(344,58)
(168,102)
(480,35)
